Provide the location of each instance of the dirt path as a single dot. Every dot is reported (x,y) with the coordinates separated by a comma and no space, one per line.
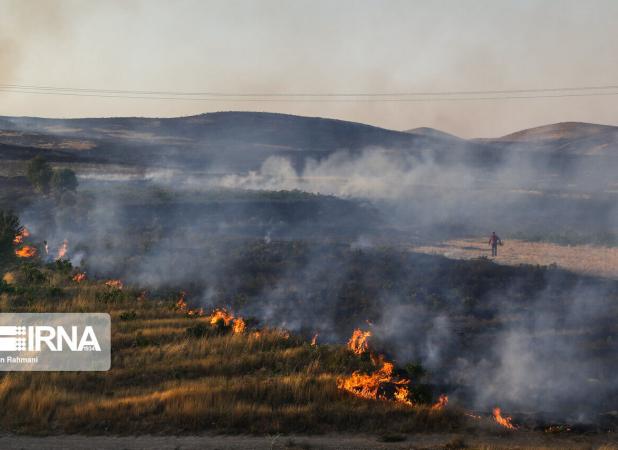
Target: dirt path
(585,259)
(517,440)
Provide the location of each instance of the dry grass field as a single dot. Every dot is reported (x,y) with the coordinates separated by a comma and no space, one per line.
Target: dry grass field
(177,381)
(583,259)
(166,379)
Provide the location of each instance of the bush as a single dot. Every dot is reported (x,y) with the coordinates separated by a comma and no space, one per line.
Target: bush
(31,274)
(40,174)
(9,228)
(63,180)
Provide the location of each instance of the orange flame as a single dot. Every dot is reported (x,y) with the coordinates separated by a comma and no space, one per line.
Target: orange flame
(19,237)
(114,284)
(27,251)
(359,342)
(79,277)
(441,403)
(504,421)
(181,304)
(239,325)
(195,312)
(62,251)
(314,340)
(221,316)
(374,385)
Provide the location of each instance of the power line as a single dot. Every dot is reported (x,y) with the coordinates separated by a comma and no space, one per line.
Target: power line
(306,94)
(318,100)
(583,91)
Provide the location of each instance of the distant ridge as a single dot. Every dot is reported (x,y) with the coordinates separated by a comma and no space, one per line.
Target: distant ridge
(562,130)
(432,132)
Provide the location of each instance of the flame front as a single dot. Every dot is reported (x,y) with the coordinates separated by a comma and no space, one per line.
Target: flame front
(383,383)
(62,251)
(239,325)
(19,237)
(441,403)
(504,421)
(181,304)
(314,340)
(359,342)
(374,386)
(114,284)
(79,277)
(227,319)
(27,251)
(220,316)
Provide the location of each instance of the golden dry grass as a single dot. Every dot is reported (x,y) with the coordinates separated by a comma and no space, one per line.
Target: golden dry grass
(584,259)
(164,380)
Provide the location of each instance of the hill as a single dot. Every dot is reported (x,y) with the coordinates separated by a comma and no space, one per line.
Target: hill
(434,133)
(562,130)
(566,138)
(233,141)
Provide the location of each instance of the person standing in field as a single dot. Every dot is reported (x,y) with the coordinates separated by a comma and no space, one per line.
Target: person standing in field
(494,241)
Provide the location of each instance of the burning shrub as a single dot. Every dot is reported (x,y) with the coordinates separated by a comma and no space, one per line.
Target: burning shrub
(224,321)
(62,250)
(27,251)
(79,277)
(20,236)
(386,383)
(359,342)
(503,421)
(114,284)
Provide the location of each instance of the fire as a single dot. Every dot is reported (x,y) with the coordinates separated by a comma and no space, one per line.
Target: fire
(383,383)
(220,316)
(376,385)
(181,304)
(19,237)
(359,343)
(79,277)
(441,403)
(114,284)
(314,340)
(62,251)
(504,421)
(27,251)
(195,312)
(239,325)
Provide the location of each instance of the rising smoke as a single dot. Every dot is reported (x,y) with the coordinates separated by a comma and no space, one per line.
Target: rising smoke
(527,341)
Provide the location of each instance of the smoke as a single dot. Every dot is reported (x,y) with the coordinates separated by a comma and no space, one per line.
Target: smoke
(26,22)
(523,338)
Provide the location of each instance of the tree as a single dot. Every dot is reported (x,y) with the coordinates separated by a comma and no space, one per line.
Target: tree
(63,180)
(40,174)
(9,228)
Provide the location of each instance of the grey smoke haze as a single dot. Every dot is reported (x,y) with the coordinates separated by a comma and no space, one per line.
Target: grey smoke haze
(529,354)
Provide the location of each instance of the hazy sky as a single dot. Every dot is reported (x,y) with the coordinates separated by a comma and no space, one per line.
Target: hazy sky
(314,46)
